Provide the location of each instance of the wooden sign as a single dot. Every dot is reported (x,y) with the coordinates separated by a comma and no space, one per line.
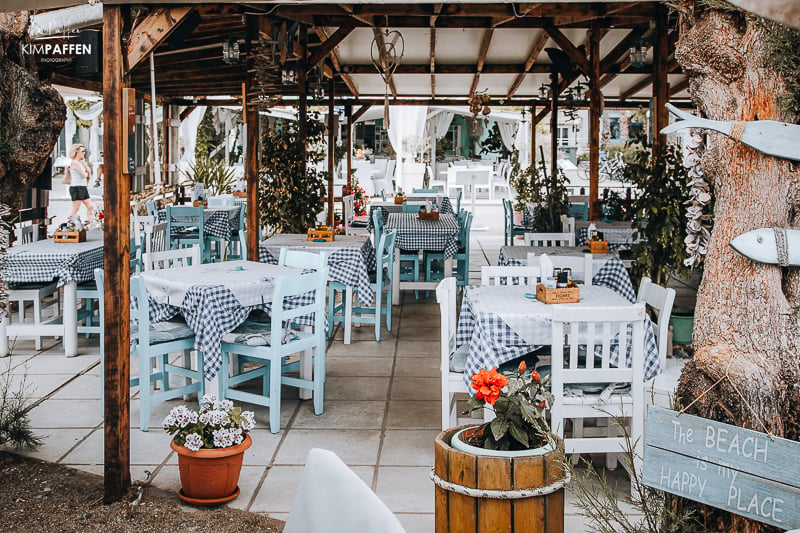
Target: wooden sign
(735,469)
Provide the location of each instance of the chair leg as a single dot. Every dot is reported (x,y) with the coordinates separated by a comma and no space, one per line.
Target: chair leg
(331,310)
(37,319)
(347,300)
(223,377)
(319,377)
(275,395)
(306,369)
(378,313)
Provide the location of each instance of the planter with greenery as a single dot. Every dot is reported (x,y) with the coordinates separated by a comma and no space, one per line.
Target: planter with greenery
(215,176)
(546,199)
(290,190)
(661,212)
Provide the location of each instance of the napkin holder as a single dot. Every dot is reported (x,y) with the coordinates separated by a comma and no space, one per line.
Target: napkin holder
(598,247)
(567,295)
(69,236)
(429,215)
(323,233)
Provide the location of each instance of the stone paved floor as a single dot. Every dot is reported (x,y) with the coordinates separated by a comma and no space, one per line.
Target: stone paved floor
(381,413)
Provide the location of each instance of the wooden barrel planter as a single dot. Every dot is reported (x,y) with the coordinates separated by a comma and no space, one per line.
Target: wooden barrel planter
(481,493)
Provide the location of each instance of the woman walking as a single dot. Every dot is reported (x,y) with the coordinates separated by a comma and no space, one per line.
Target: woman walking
(79,181)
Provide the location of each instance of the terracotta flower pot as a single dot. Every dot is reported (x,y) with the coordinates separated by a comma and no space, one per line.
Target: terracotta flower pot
(210,476)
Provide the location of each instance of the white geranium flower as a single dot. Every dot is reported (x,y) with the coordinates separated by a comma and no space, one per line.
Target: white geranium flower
(194,442)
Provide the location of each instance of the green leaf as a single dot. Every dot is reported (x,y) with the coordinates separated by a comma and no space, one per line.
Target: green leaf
(519,435)
(499,427)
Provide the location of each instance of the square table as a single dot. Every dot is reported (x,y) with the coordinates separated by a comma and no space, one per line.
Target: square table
(500,324)
(445,207)
(518,255)
(214,298)
(619,234)
(42,262)
(414,235)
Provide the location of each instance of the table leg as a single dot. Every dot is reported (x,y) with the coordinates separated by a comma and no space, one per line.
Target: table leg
(396,277)
(3,337)
(70,319)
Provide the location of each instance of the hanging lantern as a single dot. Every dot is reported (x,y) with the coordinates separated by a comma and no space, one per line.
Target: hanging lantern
(386,52)
(638,53)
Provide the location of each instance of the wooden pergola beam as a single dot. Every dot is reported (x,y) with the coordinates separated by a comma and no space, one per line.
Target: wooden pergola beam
(433,62)
(595,113)
(152,31)
(337,63)
(635,88)
(678,87)
(661,52)
(536,49)
(566,45)
(360,113)
(487,40)
(327,46)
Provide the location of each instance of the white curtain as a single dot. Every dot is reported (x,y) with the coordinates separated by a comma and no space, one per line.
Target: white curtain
(441,123)
(91,115)
(188,137)
(523,144)
(507,133)
(406,133)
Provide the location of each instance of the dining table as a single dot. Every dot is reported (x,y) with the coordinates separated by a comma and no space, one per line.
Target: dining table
(388,206)
(218,220)
(504,322)
(619,234)
(214,299)
(44,261)
(414,235)
(518,255)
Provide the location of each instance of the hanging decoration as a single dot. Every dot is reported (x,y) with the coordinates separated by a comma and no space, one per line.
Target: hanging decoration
(386,52)
(773,246)
(700,211)
(479,104)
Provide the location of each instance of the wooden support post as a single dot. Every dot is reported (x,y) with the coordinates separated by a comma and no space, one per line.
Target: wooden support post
(331,150)
(533,136)
(116,241)
(660,80)
(553,125)
(594,121)
(348,144)
(166,152)
(251,153)
(303,100)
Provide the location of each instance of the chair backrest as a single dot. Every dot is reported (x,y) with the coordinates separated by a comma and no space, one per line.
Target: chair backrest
(348,210)
(383,194)
(568,224)
(221,200)
(384,255)
(595,331)
(580,211)
(182,217)
(139,225)
(377,222)
(155,237)
(172,258)
(661,300)
(302,259)
(411,208)
(458,200)
(151,207)
(446,298)
(510,275)
(288,287)
(581,265)
(424,191)
(549,239)
(26,232)
(463,238)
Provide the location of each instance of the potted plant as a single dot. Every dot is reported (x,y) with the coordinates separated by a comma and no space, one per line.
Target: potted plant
(214,175)
(210,446)
(508,467)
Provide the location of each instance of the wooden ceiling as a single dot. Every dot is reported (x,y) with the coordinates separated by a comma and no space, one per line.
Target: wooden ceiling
(451,50)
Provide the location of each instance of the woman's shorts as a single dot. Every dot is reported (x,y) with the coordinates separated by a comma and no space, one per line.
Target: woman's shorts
(78,192)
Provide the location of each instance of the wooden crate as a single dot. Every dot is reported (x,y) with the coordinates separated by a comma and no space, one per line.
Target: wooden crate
(198,203)
(399,199)
(69,236)
(598,247)
(566,295)
(240,194)
(432,215)
(321,233)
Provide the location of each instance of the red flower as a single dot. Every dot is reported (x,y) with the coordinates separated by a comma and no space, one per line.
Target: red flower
(488,384)
(535,377)
(522,367)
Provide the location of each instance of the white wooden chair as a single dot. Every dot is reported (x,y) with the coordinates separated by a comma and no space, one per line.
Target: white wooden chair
(41,296)
(499,179)
(582,268)
(661,300)
(26,232)
(436,183)
(172,258)
(568,224)
(453,359)
(510,275)
(576,367)
(352,225)
(549,239)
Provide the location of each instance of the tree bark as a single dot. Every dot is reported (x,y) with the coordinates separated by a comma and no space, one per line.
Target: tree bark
(31,115)
(746,321)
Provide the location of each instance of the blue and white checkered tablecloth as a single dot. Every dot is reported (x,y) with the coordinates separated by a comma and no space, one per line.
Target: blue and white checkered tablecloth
(211,310)
(414,234)
(617,237)
(500,324)
(518,255)
(239,201)
(351,258)
(218,221)
(445,208)
(44,261)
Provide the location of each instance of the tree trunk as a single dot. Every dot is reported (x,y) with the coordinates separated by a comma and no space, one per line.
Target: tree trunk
(31,115)
(746,322)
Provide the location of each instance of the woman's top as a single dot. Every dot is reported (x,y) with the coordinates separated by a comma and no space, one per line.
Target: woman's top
(79,178)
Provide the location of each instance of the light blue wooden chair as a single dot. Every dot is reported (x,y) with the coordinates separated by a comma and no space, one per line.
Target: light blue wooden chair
(237,247)
(511,229)
(461,272)
(383,280)
(153,343)
(270,344)
(424,191)
(411,208)
(377,225)
(185,228)
(152,208)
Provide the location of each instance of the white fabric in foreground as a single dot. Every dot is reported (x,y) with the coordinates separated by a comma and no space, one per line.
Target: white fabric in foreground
(333,499)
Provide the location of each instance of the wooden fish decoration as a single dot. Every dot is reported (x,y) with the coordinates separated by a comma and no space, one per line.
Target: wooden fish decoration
(774,138)
(774,246)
